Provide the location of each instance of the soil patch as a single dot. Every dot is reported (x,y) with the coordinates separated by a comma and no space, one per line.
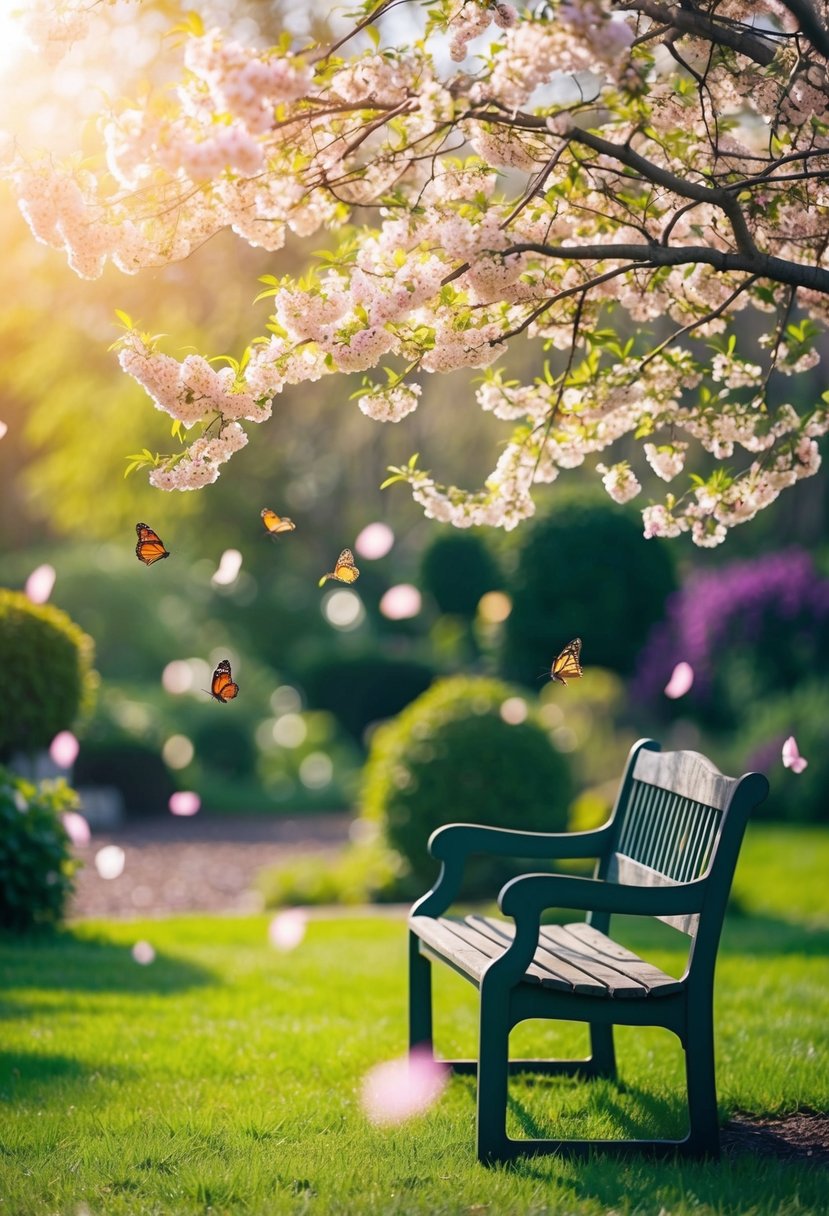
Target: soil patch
(802,1137)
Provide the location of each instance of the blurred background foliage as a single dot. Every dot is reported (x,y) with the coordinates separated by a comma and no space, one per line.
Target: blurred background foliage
(320,669)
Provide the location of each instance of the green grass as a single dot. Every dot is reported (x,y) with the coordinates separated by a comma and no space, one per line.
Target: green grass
(224,1077)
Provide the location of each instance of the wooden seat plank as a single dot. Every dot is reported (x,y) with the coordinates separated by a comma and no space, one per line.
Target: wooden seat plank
(560,969)
(653,977)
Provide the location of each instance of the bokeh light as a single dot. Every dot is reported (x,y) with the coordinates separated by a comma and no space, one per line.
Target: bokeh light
(514,710)
(143,953)
(401,602)
(287,929)
(228,569)
(110,861)
(682,678)
(374,541)
(400,1089)
(64,749)
(343,609)
(77,829)
(184,802)
(289,730)
(178,751)
(316,770)
(286,700)
(494,607)
(186,675)
(40,583)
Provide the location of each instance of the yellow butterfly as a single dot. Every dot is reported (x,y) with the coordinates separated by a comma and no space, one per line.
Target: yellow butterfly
(274,524)
(567,663)
(344,571)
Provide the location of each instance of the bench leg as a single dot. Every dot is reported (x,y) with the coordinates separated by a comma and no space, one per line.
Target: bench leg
(704,1134)
(603,1053)
(493,1075)
(420,996)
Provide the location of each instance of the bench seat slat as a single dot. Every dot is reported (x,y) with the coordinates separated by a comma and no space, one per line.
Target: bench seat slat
(623,960)
(558,973)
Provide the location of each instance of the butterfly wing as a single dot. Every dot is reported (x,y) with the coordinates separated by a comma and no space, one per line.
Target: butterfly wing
(345,570)
(222,686)
(566,666)
(150,547)
(274,524)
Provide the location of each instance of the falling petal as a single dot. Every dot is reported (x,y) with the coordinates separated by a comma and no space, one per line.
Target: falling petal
(143,953)
(229,567)
(64,749)
(401,602)
(77,829)
(791,756)
(400,1089)
(109,861)
(287,929)
(39,584)
(374,541)
(4,426)
(184,802)
(680,682)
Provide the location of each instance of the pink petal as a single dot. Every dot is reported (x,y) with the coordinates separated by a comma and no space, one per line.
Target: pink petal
(143,953)
(791,756)
(287,929)
(77,829)
(401,602)
(400,1089)
(682,677)
(184,802)
(64,749)
(39,584)
(109,861)
(374,541)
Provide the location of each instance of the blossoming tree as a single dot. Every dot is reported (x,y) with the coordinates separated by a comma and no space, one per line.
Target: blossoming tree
(615,180)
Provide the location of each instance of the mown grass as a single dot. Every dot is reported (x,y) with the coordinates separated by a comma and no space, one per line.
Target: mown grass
(225,1077)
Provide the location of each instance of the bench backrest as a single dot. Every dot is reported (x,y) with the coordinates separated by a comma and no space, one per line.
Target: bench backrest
(678,819)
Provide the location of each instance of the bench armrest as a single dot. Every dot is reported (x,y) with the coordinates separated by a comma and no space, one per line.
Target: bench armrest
(531,894)
(454,842)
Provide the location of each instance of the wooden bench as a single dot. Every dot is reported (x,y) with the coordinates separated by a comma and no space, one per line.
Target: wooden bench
(668,850)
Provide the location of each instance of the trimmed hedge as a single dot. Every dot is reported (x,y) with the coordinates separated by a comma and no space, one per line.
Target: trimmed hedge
(457,568)
(46,660)
(36,868)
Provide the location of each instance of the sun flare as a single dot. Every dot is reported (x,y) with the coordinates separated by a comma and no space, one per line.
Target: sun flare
(12,37)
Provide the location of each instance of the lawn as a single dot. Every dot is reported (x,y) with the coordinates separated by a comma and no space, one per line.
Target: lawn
(225,1077)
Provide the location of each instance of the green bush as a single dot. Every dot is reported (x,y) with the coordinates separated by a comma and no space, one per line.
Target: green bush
(226,745)
(48,679)
(452,757)
(361,874)
(35,865)
(136,769)
(457,568)
(804,713)
(362,688)
(585,571)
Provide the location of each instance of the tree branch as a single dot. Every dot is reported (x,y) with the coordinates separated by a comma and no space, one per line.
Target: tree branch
(690,21)
(810,23)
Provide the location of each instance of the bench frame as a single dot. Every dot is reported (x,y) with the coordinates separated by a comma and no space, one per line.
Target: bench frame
(673,782)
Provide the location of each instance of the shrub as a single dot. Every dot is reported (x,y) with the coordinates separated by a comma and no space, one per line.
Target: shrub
(451,756)
(360,874)
(47,661)
(585,571)
(226,746)
(363,688)
(35,865)
(134,768)
(457,568)
(749,630)
(804,713)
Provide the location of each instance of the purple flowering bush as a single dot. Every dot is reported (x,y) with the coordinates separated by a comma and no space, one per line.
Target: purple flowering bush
(750,630)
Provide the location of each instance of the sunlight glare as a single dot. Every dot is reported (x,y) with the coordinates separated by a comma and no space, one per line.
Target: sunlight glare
(12,34)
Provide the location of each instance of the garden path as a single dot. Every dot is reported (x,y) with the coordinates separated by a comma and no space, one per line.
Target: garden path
(207,863)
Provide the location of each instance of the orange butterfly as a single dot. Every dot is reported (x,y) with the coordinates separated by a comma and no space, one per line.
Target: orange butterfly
(344,570)
(150,547)
(274,524)
(567,663)
(222,688)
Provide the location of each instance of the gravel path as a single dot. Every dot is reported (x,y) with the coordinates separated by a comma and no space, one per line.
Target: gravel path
(203,864)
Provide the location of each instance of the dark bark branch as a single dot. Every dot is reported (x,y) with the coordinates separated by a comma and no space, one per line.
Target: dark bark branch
(690,21)
(762,265)
(813,27)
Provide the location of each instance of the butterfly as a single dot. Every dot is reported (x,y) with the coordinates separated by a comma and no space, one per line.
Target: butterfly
(344,570)
(150,547)
(274,524)
(222,688)
(567,663)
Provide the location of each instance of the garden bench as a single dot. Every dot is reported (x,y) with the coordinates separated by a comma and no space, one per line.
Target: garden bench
(668,851)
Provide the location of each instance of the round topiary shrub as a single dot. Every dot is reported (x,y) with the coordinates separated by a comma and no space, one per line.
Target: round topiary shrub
(468,750)
(793,797)
(362,688)
(136,769)
(36,868)
(585,571)
(46,659)
(457,568)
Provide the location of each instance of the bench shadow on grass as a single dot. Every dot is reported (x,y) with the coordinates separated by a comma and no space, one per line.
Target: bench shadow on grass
(24,1074)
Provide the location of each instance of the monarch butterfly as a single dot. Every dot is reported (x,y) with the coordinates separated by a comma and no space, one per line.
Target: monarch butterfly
(150,547)
(567,663)
(344,570)
(222,688)
(274,524)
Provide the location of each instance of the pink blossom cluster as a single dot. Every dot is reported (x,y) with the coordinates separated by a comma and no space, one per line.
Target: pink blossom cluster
(199,465)
(390,404)
(474,17)
(243,83)
(620,481)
